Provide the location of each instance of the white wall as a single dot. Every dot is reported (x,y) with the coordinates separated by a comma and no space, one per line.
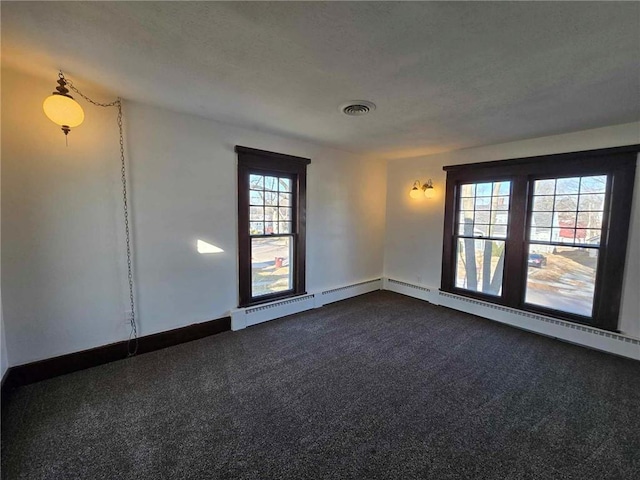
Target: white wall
(63,270)
(413,245)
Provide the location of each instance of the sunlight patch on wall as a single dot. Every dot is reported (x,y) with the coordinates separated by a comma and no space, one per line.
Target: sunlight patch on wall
(204,247)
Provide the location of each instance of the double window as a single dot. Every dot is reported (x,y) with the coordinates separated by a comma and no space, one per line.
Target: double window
(544,234)
(271,225)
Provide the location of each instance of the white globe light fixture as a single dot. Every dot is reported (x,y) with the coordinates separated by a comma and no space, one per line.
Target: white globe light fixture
(62,109)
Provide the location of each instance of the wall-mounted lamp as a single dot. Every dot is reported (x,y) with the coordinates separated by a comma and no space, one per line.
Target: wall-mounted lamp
(418,189)
(61,108)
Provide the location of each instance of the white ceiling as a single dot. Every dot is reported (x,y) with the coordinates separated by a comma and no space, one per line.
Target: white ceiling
(443,75)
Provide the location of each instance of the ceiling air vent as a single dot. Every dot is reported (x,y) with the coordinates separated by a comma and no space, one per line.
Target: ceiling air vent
(357,108)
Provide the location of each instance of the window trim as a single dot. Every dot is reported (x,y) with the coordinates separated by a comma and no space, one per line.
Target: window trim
(618,163)
(251,160)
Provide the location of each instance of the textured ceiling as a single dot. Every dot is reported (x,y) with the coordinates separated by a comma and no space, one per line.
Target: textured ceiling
(443,75)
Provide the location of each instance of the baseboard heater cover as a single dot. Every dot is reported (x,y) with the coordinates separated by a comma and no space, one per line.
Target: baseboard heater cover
(408,285)
(542,318)
(348,291)
(246,317)
(406,288)
(591,337)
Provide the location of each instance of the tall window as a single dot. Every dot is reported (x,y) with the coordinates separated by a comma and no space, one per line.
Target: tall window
(544,234)
(481,233)
(271,225)
(563,242)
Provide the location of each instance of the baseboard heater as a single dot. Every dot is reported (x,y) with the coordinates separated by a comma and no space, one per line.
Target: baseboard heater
(583,335)
(246,317)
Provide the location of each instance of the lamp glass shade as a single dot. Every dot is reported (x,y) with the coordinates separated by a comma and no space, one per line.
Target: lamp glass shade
(63,110)
(428,192)
(415,192)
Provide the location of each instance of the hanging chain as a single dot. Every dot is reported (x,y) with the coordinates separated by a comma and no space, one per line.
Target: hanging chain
(98,104)
(132,344)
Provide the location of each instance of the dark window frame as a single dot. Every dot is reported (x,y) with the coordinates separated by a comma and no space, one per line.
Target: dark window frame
(251,160)
(617,163)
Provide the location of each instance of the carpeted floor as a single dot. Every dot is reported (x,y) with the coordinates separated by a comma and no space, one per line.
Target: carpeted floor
(377,387)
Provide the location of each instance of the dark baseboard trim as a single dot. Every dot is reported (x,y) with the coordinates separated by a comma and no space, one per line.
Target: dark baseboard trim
(72,362)
(4,380)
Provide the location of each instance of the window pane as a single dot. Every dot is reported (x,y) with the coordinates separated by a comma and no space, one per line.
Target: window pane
(256,228)
(562,278)
(466,216)
(541,219)
(256,182)
(483,203)
(484,189)
(256,197)
(544,187)
(284,214)
(503,188)
(284,184)
(256,213)
(270,228)
(270,265)
(285,227)
(480,230)
(500,218)
(467,203)
(479,265)
(500,203)
(567,185)
(541,234)
(271,213)
(466,228)
(565,220)
(595,184)
(271,183)
(483,217)
(285,199)
(543,203)
(270,198)
(468,190)
(499,231)
(562,235)
(566,203)
(591,201)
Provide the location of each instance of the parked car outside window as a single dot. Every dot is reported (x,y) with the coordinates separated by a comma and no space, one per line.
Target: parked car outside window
(537,260)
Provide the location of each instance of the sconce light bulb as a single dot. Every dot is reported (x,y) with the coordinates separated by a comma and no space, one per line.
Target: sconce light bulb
(429,192)
(415,192)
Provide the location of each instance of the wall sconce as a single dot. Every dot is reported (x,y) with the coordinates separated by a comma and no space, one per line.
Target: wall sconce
(61,108)
(418,189)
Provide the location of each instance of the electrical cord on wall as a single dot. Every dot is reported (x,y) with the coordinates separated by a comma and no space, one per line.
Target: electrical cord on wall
(132,343)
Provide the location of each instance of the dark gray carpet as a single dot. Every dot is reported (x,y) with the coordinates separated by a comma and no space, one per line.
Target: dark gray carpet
(381,386)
